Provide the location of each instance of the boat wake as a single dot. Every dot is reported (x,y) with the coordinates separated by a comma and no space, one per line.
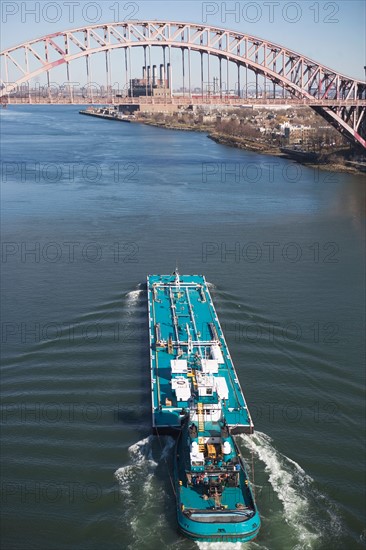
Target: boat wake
(142,460)
(305,519)
(231,546)
(140,489)
(141,457)
(133,297)
(298,495)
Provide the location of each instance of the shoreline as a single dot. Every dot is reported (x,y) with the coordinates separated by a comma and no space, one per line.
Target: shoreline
(250,145)
(243,143)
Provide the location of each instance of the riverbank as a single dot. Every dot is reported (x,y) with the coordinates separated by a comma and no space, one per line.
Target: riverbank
(257,146)
(266,149)
(335,161)
(183,127)
(245,143)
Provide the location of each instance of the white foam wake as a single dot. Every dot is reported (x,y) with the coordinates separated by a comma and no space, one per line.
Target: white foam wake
(133,296)
(286,477)
(140,489)
(295,489)
(142,460)
(231,546)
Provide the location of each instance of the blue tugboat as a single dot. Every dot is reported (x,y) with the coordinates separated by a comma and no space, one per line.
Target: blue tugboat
(196,396)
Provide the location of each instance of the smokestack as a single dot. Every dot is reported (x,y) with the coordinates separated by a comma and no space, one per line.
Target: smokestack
(148,75)
(144,72)
(154,75)
(161,75)
(168,74)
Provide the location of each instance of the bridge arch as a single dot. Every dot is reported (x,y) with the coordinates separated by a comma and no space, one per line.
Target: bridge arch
(341,100)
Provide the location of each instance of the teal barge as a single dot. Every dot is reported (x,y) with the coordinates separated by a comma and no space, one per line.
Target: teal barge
(196,395)
(189,354)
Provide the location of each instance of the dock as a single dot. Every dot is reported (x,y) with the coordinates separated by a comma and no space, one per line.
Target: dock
(106,113)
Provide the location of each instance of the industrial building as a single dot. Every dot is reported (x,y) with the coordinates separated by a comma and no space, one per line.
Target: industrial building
(151,86)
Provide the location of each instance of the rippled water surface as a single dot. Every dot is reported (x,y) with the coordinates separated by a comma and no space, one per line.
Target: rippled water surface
(89,208)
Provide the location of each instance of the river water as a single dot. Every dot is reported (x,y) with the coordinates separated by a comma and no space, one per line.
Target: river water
(89,208)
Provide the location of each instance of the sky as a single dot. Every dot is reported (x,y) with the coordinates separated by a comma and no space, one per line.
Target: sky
(332,33)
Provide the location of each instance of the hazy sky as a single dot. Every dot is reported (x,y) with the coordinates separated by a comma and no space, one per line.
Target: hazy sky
(332,33)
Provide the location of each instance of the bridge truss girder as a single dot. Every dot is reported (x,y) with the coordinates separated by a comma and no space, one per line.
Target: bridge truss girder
(343,98)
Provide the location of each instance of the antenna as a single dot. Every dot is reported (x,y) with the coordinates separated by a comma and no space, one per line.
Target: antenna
(176,273)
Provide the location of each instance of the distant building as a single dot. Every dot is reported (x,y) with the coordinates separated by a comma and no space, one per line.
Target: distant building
(149,85)
(296,133)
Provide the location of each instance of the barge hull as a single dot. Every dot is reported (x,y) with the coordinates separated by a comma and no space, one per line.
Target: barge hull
(187,341)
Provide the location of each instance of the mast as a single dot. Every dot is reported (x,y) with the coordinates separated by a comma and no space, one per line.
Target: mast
(176,273)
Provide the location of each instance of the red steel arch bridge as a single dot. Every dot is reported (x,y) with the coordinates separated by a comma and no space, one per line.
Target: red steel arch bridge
(285,76)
